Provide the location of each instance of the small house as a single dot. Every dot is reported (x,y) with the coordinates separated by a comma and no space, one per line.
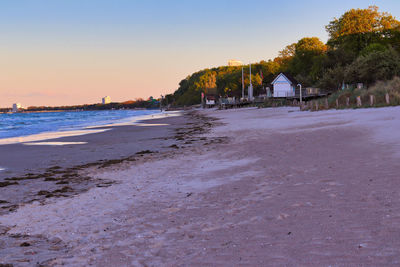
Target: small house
(284,85)
(210,100)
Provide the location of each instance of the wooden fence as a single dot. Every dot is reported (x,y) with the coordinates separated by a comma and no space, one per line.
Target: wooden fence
(345,102)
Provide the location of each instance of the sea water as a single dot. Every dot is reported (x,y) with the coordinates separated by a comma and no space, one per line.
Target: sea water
(24,124)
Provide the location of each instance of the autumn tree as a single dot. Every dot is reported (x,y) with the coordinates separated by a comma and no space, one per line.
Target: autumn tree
(357,28)
(362,48)
(206,82)
(356,21)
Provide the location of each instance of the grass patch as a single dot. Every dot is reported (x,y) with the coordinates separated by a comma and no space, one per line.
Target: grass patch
(348,98)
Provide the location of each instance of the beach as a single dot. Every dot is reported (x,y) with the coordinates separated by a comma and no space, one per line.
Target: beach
(247,187)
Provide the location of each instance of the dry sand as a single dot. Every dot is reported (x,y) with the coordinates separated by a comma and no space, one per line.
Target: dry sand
(285,188)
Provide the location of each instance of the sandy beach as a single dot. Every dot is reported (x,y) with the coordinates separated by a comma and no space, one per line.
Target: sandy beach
(244,187)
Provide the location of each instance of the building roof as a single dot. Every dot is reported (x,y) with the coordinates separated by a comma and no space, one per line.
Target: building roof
(289,77)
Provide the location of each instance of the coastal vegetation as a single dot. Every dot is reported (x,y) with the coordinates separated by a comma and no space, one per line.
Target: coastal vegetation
(382,93)
(363,47)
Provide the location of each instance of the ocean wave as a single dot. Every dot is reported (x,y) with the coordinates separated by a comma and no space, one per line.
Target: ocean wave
(24,124)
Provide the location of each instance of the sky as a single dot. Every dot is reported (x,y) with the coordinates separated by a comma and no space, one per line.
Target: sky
(67,52)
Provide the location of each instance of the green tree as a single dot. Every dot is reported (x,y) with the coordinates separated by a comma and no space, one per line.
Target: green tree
(306,64)
(375,66)
(332,78)
(285,56)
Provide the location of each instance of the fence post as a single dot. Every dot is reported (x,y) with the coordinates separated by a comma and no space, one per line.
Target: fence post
(371,99)
(387,99)
(347,101)
(316,105)
(337,102)
(359,101)
(326,103)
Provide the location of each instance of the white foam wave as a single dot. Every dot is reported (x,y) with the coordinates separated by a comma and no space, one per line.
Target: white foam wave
(46,136)
(137,120)
(54,143)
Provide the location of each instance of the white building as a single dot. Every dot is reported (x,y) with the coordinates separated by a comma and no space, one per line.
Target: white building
(106,100)
(210,100)
(16,107)
(284,85)
(234,62)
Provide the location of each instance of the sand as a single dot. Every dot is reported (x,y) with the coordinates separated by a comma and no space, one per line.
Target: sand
(266,187)
(84,146)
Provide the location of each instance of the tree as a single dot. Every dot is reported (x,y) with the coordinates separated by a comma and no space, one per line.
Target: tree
(206,82)
(375,66)
(285,56)
(357,28)
(332,78)
(373,48)
(307,60)
(309,45)
(357,21)
(288,51)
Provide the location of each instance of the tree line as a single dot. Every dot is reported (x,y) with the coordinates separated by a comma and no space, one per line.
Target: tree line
(150,103)
(363,47)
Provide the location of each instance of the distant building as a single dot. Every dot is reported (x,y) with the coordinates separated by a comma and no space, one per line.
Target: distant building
(16,107)
(234,62)
(106,100)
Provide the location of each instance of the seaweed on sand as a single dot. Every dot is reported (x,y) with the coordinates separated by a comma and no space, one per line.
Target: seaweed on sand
(6,183)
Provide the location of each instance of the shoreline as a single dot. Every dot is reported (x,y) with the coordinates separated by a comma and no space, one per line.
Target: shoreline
(75,181)
(134,120)
(68,110)
(60,170)
(240,187)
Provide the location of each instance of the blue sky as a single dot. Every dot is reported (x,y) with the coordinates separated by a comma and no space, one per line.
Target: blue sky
(77,51)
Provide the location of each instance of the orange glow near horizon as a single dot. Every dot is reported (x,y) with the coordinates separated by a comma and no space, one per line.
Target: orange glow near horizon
(82,77)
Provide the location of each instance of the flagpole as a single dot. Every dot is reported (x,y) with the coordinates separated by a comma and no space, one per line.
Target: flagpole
(250,90)
(250,74)
(242,85)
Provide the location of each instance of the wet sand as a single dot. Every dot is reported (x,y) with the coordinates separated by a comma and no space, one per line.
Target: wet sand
(266,187)
(37,172)
(117,142)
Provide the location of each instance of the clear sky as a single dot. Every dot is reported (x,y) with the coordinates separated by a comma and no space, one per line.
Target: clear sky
(55,52)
